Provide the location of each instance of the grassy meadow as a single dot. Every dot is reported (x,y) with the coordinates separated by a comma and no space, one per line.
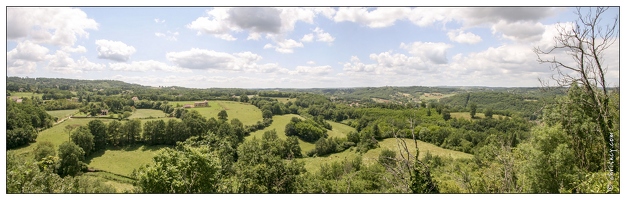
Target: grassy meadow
(124,160)
(25,94)
(62,113)
(145,113)
(313,164)
(248,114)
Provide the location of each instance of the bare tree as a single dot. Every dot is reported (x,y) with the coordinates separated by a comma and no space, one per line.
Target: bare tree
(586,43)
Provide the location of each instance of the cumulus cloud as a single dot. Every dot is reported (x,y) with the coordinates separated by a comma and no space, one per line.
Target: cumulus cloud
(63,63)
(211,60)
(144,66)
(24,57)
(310,62)
(433,52)
(387,63)
(222,22)
(77,49)
(171,36)
(463,37)
(284,46)
(376,18)
(256,19)
(159,21)
(316,71)
(519,31)
(308,38)
(51,25)
(114,50)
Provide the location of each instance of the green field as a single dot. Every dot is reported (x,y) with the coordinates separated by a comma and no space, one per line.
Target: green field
(313,164)
(25,94)
(339,130)
(56,135)
(145,113)
(248,114)
(279,122)
(123,160)
(466,115)
(60,114)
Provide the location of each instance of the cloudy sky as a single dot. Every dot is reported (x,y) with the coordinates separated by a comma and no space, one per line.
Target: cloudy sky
(293,47)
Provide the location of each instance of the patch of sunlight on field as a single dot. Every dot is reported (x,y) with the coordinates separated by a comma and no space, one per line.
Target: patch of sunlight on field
(123,160)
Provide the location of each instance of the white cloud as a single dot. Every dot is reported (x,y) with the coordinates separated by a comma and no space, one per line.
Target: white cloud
(211,60)
(284,46)
(307,38)
(434,52)
(63,63)
(310,62)
(114,50)
(159,21)
(52,25)
(377,18)
(24,57)
(323,36)
(254,36)
(171,36)
(222,22)
(463,37)
(77,49)
(519,31)
(144,66)
(316,71)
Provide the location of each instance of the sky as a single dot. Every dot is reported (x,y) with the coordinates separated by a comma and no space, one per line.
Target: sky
(290,47)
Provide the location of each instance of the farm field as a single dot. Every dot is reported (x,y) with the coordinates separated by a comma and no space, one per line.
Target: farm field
(62,113)
(246,113)
(25,94)
(313,164)
(146,113)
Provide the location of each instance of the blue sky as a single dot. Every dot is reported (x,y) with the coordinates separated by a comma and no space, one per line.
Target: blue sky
(288,47)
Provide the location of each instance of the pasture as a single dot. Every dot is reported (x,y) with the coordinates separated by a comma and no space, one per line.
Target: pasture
(313,164)
(433,96)
(248,114)
(147,113)
(26,94)
(123,160)
(60,114)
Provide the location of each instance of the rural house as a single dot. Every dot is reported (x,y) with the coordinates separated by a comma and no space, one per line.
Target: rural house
(201,104)
(135,99)
(104,112)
